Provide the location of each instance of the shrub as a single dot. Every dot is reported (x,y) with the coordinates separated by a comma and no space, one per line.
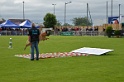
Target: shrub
(109,31)
(117,33)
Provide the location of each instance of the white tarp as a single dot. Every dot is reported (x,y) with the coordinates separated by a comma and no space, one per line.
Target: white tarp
(93,51)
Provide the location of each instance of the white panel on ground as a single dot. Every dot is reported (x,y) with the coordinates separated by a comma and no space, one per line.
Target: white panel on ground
(93,51)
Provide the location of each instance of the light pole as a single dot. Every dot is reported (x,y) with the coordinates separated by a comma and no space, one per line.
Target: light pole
(106,12)
(23,11)
(87,14)
(119,14)
(65,11)
(111,8)
(54,8)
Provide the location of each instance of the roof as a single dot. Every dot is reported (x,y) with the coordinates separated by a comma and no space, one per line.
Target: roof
(8,23)
(2,20)
(18,21)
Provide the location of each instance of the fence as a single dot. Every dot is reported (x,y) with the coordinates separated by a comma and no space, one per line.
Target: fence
(65,33)
(5,32)
(78,33)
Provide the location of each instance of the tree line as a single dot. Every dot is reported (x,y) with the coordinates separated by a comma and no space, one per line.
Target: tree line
(51,21)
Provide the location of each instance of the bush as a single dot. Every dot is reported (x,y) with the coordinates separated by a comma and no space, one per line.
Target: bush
(117,33)
(109,31)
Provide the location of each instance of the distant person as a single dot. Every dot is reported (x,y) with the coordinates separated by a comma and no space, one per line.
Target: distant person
(34,40)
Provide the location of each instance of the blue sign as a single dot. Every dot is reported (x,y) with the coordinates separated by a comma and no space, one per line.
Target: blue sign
(113,20)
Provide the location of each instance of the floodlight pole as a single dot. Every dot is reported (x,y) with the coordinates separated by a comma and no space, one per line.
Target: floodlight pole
(65,11)
(23,11)
(87,15)
(54,8)
(119,13)
(111,8)
(106,12)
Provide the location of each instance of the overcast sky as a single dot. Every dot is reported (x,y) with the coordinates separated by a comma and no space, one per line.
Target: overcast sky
(35,10)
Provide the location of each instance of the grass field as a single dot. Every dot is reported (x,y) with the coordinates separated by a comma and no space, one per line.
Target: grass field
(105,68)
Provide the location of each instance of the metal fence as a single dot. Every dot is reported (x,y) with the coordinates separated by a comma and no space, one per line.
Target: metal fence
(60,33)
(78,33)
(66,33)
(5,32)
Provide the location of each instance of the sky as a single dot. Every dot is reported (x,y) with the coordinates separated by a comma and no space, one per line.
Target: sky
(35,10)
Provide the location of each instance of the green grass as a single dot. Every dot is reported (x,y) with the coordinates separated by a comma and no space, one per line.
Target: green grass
(105,68)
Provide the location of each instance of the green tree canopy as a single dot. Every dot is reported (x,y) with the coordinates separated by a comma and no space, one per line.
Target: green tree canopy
(58,23)
(81,21)
(50,20)
(66,24)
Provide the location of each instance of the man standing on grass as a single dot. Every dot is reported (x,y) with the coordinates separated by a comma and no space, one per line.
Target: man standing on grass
(34,40)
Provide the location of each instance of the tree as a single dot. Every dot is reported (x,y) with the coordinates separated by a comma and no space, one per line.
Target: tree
(50,20)
(66,24)
(58,23)
(81,21)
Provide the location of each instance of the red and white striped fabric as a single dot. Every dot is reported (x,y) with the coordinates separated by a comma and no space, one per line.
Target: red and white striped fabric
(53,55)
